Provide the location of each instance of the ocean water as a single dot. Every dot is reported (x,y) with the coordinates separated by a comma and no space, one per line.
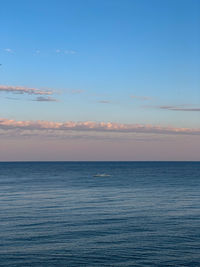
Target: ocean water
(58,214)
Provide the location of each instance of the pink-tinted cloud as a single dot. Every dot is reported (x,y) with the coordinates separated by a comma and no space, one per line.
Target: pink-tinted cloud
(95,127)
(24,90)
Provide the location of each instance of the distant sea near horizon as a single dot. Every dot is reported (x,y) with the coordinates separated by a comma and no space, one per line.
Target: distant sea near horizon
(59,214)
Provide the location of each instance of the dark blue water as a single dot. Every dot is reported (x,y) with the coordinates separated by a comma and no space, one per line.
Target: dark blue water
(58,214)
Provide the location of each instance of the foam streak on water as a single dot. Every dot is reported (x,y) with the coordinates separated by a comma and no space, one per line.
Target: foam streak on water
(58,214)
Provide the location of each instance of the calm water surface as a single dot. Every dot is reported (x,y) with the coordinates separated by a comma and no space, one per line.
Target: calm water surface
(58,214)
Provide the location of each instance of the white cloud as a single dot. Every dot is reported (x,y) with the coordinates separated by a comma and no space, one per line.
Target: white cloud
(65,52)
(8,50)
(72,52)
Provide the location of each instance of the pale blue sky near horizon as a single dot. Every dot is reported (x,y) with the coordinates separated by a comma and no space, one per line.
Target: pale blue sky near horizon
(131,61)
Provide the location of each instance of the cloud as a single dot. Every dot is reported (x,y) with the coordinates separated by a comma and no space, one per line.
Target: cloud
(24,90)
(72,52)
(45,99)
(93,127)
(8,50)
(179,108)
(78,91)
(12,98)
(66,52)
(104,101)
(143,98)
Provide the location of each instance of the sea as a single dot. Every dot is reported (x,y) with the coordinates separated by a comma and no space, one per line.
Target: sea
(59,214)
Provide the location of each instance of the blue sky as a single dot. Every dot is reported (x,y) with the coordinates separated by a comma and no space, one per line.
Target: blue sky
(129,62)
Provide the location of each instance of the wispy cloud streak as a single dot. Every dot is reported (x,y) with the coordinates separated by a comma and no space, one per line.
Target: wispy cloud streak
(45,99)
(72,52)
(100,127)
(66,52)
(104,101)
(8,50)
(76,91)
(24,90)
(179,108)
(143,98)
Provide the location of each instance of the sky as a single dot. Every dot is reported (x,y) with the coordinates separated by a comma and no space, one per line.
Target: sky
(99,80)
